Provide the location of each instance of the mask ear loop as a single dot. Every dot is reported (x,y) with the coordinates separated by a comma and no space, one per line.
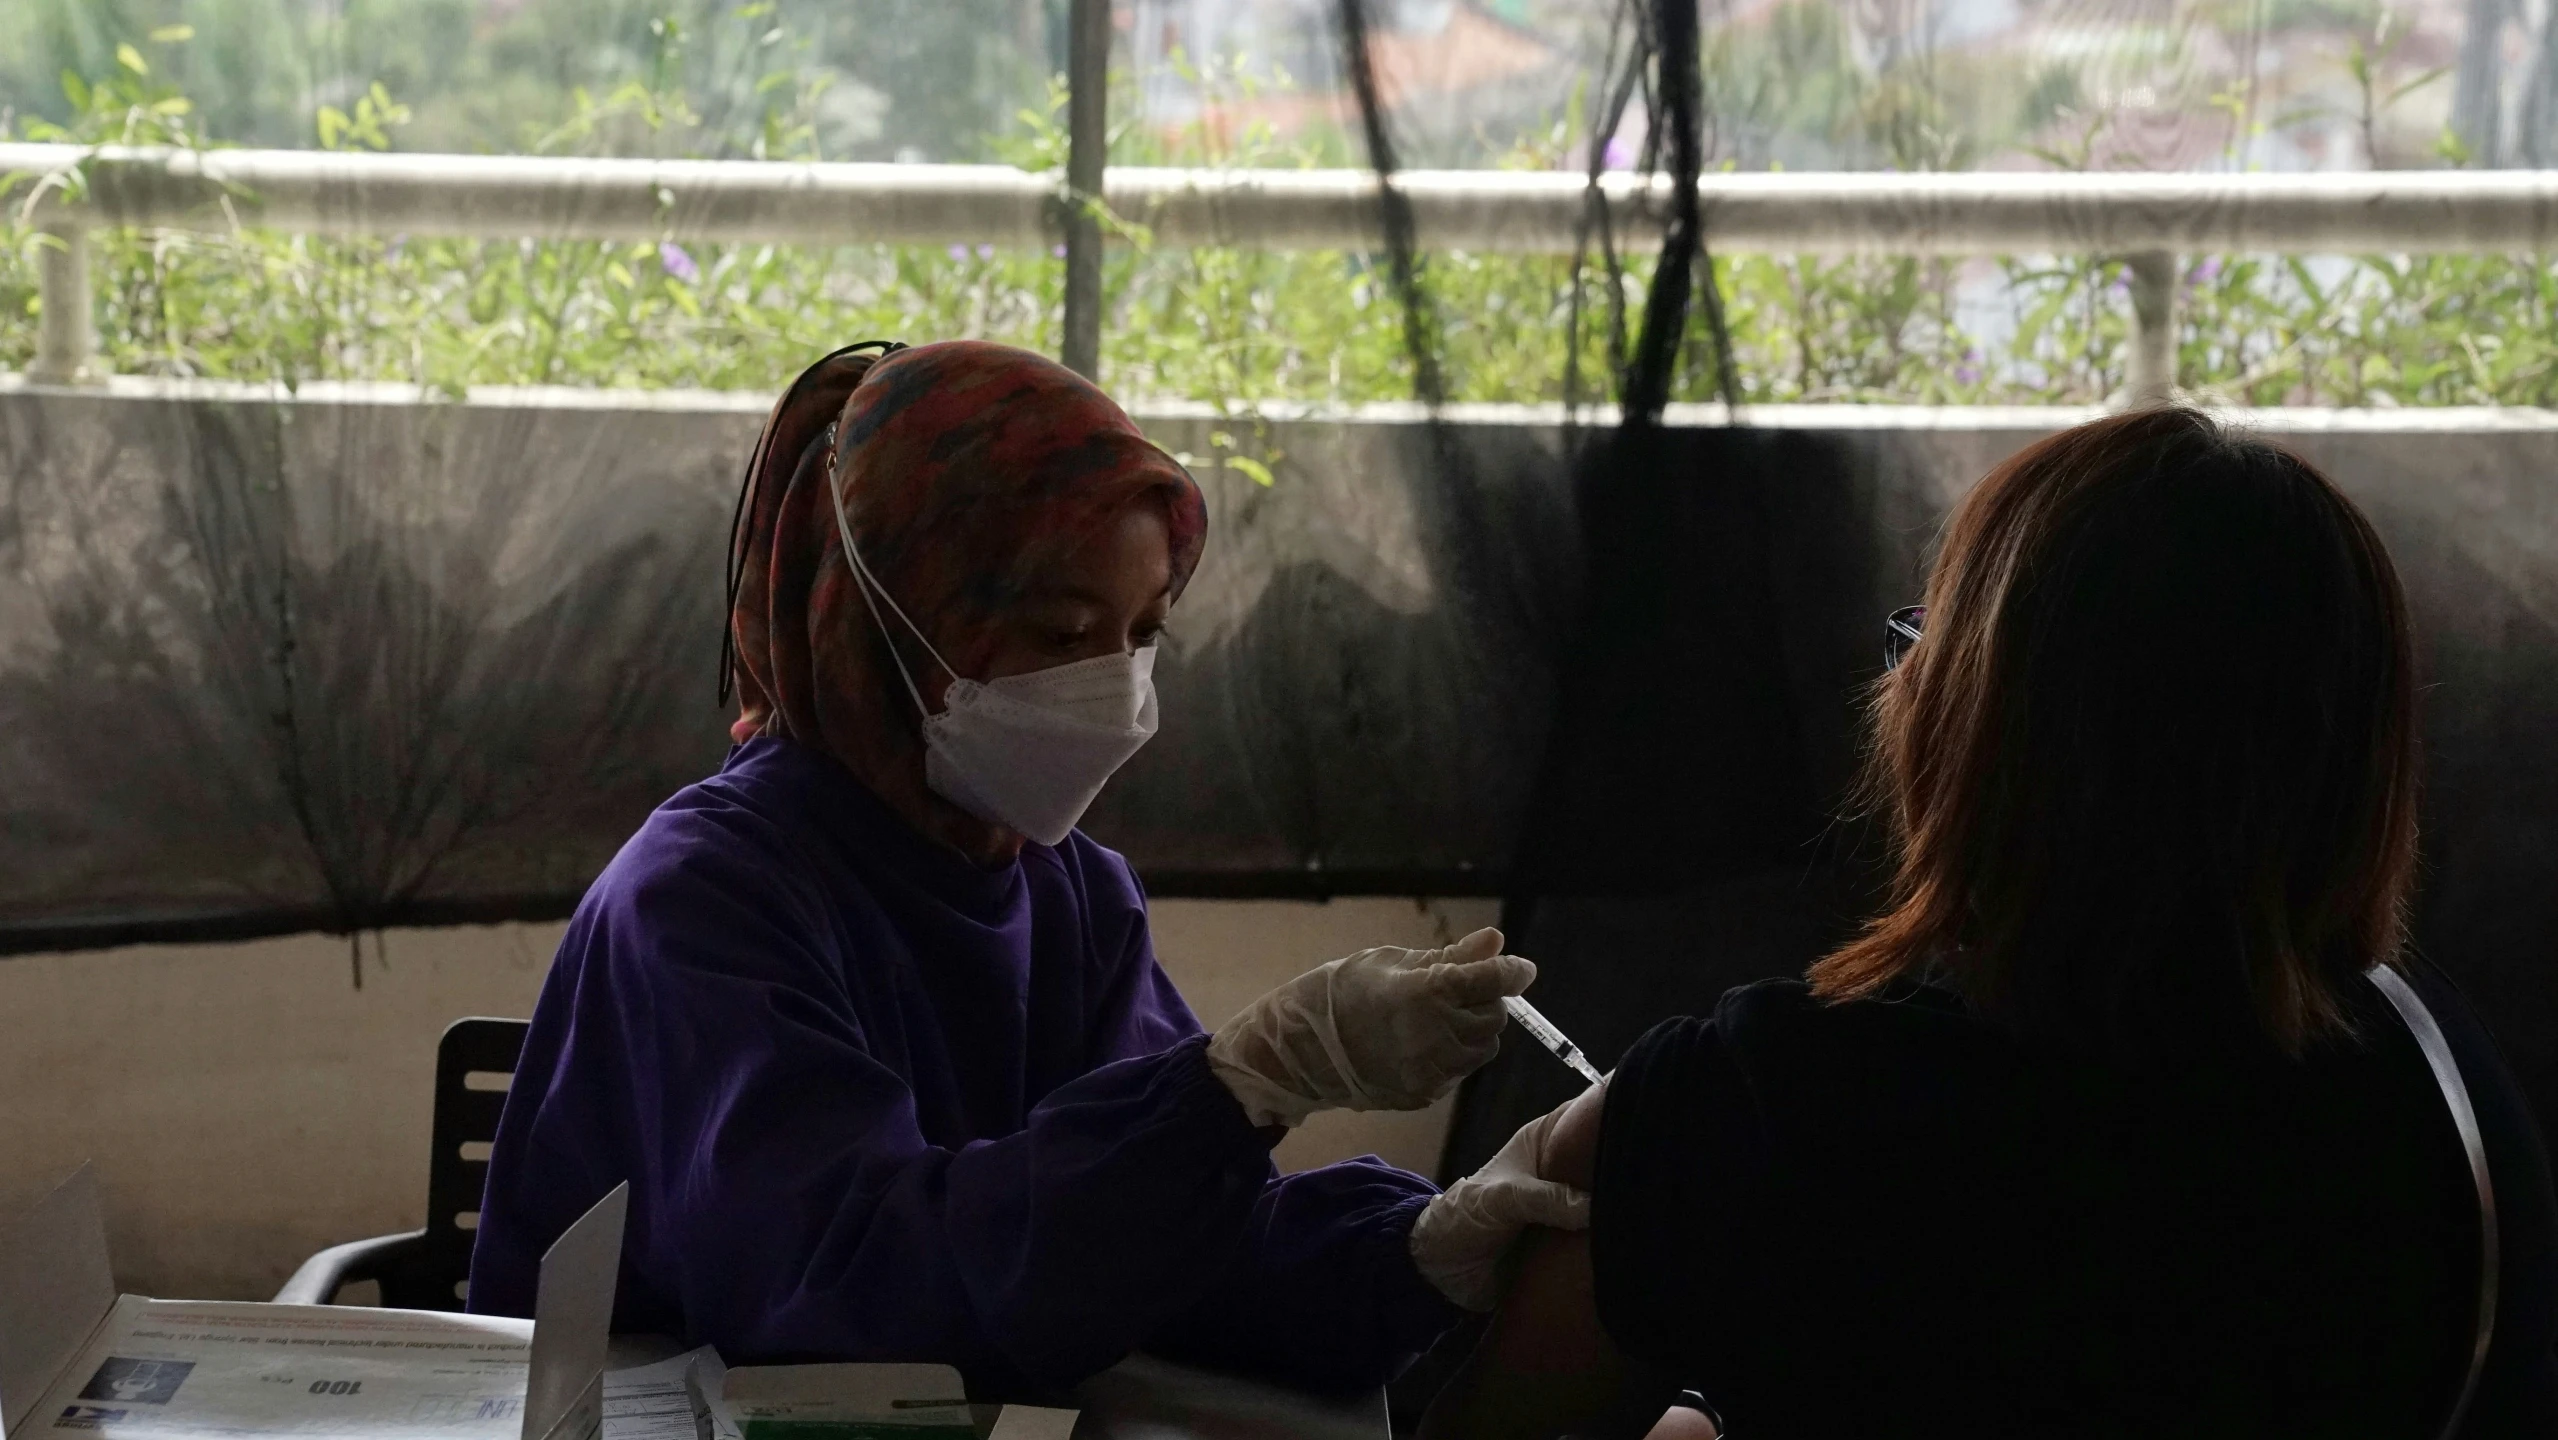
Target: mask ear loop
(876,594)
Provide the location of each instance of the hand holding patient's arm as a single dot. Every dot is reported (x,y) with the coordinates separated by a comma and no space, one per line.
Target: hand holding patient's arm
(1546,1366)
(1463,1239)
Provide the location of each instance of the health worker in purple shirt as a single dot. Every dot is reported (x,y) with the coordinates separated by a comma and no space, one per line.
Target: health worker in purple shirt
(878,1037)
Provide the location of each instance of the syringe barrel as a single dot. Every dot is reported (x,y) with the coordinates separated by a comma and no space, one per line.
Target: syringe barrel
(1535,1023)
(1548,1035)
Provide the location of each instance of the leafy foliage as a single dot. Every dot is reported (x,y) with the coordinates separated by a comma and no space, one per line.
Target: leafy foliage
(1229,325)
(878,77)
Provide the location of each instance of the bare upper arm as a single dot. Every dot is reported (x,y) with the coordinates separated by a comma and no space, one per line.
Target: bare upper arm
(1572,1147)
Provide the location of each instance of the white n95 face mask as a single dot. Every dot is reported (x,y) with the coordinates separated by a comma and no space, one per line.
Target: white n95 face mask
(1027,752)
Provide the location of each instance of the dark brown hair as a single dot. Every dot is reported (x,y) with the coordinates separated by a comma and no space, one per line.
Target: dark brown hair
(2152,770)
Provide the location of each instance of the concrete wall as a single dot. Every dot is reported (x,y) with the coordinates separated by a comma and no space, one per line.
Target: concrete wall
(247,1104)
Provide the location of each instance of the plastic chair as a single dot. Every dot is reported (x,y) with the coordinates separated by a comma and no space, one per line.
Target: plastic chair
(430,1269)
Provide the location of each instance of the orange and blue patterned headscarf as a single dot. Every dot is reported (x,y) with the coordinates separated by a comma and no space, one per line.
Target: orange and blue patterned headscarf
(966,468)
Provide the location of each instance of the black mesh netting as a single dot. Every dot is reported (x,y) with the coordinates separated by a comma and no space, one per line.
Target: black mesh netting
(342,662)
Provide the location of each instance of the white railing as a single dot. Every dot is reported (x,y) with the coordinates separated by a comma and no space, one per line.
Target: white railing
(2147,218)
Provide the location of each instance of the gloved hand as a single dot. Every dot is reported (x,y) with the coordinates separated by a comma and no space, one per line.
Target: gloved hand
(1385,1029)
(1462,1236)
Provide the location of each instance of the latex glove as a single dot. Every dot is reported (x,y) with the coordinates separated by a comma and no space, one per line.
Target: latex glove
(1385,1029)
(1463,1235)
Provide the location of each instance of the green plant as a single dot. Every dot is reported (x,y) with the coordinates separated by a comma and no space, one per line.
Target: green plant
(1233,326)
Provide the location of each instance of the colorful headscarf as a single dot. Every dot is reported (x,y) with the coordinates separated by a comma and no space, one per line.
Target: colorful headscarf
(966,468)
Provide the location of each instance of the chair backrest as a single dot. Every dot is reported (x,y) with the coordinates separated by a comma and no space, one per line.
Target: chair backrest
(474,1064)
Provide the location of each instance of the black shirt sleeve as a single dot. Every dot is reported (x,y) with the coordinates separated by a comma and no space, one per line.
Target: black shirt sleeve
(1681,1153)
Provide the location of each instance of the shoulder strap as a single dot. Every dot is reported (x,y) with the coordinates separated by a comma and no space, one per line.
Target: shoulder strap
(2402,997)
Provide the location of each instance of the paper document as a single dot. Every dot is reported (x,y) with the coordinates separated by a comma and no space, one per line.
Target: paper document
(55,1283)
(178,1369)
(573,1324)
(656,1402)
(838,1402)
(1030,1422)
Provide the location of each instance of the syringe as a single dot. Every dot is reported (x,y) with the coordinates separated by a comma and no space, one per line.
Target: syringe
(1551,1038)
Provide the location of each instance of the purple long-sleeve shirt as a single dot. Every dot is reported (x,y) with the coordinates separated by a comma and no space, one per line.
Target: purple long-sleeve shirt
(877,1103)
